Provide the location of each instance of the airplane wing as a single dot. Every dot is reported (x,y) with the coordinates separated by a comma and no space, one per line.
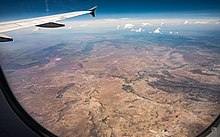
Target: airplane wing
(46,22)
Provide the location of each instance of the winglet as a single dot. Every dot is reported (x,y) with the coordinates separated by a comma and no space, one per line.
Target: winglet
(92,11)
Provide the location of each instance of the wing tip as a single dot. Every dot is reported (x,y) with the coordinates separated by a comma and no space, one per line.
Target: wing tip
(92,11)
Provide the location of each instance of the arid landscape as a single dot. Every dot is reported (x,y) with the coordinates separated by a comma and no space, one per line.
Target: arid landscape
(115,86)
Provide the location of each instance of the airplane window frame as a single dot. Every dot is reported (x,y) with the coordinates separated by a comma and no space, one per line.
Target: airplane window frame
(41,131)
(19,110)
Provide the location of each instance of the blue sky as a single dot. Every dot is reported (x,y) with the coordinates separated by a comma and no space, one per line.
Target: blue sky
(28,8)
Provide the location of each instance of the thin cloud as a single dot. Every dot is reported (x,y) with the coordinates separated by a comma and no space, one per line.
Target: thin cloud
(146,24)
(137,30)
(129,26)
(83,25)
(217,22)
(187,22)
(201,22)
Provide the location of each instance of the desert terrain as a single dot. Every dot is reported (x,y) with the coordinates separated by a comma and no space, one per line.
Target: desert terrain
(120,87)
